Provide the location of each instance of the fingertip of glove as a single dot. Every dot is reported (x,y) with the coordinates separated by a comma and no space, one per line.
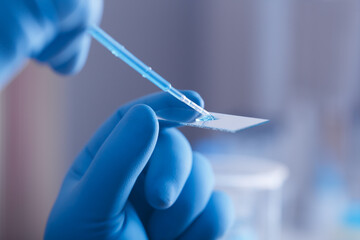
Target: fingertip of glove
(161,196)
(142,109)
(71,67)
(73,64)
(143,117)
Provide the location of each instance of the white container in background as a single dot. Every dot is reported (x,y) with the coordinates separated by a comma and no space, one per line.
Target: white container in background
(255,186)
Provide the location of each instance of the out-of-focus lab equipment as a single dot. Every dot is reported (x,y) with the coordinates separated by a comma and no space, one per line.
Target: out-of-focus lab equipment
(255,186)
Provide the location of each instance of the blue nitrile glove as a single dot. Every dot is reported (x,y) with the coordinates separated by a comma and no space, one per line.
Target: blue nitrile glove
(138,180)
(51,31)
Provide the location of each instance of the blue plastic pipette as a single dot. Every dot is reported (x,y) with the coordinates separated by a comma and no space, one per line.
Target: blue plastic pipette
(121,52)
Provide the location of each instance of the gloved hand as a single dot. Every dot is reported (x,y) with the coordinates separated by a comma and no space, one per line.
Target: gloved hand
(51,31)
(138,180)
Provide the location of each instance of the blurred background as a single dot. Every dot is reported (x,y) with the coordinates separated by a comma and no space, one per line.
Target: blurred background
(294,62)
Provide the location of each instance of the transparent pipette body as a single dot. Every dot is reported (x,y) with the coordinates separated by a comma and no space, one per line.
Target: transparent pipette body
(121,52)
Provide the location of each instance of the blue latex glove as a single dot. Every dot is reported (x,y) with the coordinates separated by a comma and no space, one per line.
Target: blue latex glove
(51,31)
(138,180)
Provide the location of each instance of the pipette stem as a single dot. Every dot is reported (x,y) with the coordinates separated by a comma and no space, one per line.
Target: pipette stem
(121,52)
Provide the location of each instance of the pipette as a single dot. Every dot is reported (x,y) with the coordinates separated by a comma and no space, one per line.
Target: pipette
(121,52)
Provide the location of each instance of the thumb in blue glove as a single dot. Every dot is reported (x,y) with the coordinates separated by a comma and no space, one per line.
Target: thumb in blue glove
(93,201)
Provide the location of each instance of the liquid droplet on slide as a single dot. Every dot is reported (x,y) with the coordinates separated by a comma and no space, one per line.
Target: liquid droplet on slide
(206,118)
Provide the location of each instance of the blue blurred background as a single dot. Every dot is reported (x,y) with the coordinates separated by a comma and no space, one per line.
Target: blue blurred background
(294,62)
